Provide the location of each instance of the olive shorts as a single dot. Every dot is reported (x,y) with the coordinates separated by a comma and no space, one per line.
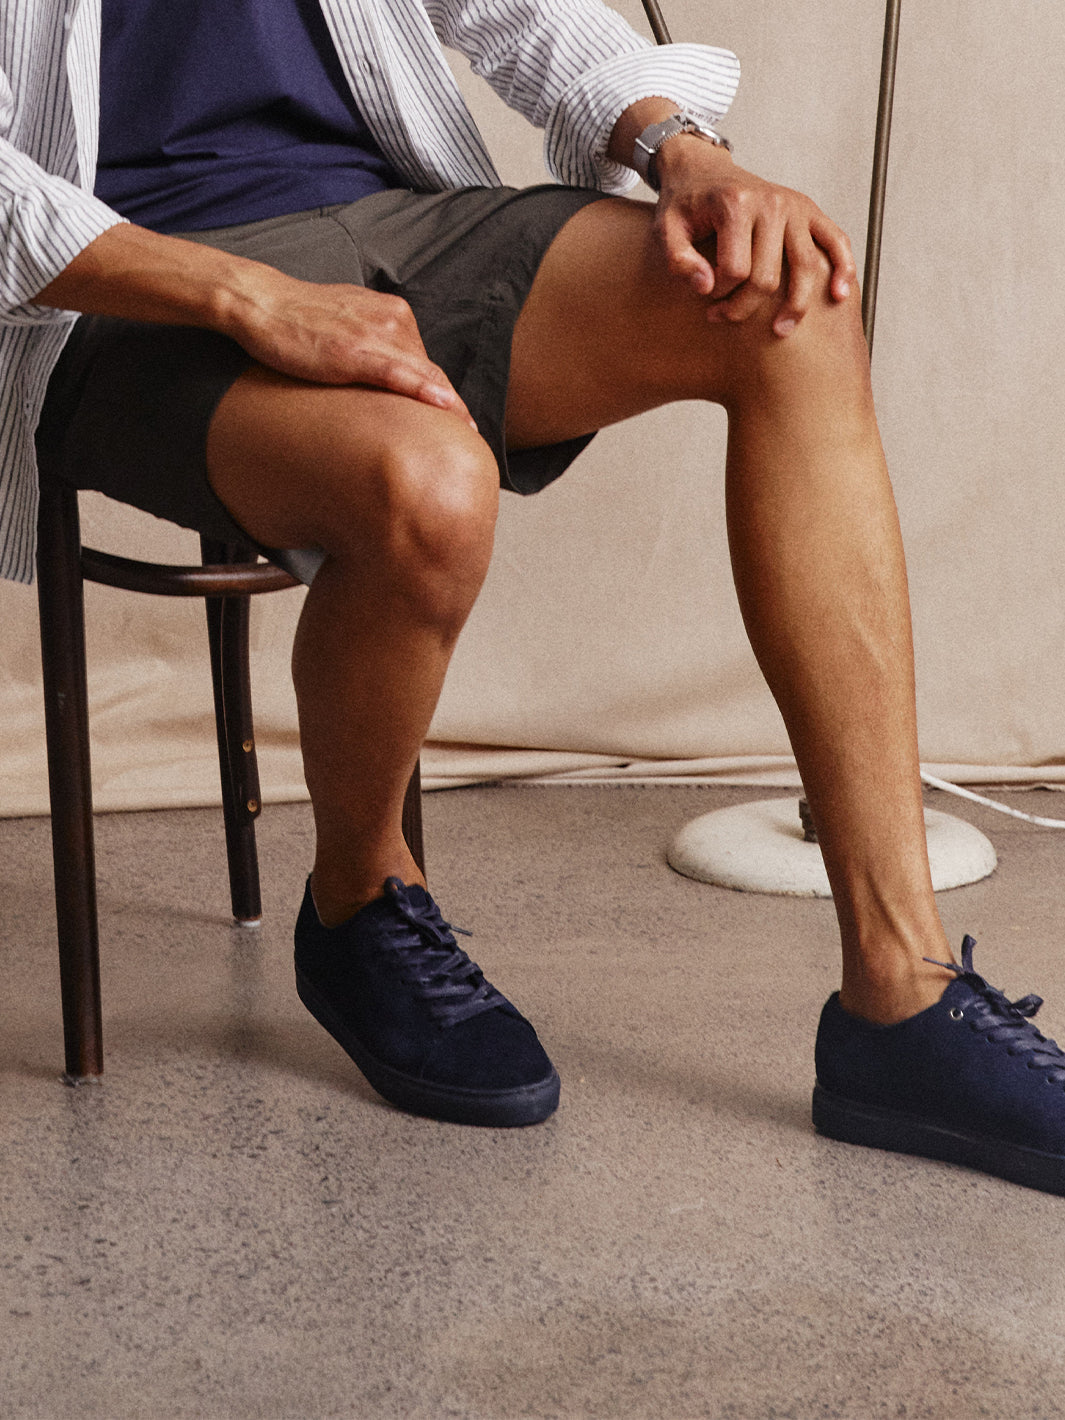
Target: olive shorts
(129,404)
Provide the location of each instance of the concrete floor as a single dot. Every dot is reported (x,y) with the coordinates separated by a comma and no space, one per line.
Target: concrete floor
(235,1226)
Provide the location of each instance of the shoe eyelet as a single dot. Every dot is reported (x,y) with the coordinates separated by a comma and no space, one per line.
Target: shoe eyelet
(956,1013)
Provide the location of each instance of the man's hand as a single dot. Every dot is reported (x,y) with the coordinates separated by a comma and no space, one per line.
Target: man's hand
(736,238)
(333,335)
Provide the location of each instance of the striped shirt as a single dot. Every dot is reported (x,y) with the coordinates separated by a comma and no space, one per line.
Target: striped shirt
(570,66)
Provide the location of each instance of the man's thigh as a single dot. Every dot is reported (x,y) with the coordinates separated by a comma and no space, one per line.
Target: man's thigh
(464,261)
(339,467)
(592,344)
(130,406)
(608,332)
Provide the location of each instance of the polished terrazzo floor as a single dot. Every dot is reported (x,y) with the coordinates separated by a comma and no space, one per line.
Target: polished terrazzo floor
(234,1226)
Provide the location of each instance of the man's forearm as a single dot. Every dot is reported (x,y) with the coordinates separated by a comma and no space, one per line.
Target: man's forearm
(641,115)
(142,275)
(327,334)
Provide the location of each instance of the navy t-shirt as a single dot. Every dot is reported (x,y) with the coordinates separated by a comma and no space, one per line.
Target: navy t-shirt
(215,112)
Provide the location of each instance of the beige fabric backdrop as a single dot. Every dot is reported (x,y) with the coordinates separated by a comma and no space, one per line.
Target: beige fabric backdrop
(608,629)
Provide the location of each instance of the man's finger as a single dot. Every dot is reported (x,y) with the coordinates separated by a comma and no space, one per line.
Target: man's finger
(682,259)
(805,278)
(836,246)
(734,256)
(419,380)
(768,239)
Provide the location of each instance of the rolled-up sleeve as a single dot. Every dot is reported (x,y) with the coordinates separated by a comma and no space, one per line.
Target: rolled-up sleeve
(44,223)
(573,68)
(696,77)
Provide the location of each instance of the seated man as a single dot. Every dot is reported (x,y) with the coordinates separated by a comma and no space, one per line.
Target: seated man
(332,332)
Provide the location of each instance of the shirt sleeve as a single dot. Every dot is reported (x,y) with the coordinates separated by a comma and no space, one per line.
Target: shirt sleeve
(45,222)
(573,68)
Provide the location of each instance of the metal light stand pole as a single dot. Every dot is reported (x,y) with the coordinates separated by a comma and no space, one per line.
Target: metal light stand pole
(761,847)
(878,190)
(657,21)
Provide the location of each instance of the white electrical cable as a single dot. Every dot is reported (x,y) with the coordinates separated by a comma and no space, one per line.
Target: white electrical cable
(935,783)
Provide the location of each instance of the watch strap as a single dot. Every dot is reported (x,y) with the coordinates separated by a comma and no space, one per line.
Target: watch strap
(655,134)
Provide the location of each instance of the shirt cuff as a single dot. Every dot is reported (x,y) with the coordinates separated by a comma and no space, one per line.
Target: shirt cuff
(697,78)
(47,223)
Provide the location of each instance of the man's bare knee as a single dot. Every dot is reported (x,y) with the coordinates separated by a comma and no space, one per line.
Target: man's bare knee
(608,331)
(825,352)
(433,522)
(400,493)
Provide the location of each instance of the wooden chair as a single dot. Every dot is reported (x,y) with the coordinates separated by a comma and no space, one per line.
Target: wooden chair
(228,578)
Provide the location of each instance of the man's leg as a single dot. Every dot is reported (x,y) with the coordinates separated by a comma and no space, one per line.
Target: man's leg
(402,498)
(817,556)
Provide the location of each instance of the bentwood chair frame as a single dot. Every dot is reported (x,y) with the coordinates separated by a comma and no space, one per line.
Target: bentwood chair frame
(228,577)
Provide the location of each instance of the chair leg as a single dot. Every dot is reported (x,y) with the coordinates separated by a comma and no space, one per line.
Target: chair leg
(228,622)
(66,716)
(412,818)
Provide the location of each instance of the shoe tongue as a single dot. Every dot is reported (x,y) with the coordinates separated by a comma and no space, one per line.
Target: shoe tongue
(394,893)
(400,898)
(958,993)
(413,894)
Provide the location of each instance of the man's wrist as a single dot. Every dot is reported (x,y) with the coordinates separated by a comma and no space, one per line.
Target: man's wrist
(632,122)
(679,150)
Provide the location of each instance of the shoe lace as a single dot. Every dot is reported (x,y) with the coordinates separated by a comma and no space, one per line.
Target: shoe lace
(1007,1022)
(434,963)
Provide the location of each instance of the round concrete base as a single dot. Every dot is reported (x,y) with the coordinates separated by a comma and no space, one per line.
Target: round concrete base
(759,847)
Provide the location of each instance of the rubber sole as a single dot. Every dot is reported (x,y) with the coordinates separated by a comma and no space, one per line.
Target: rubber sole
(498,1109)
(876,1128)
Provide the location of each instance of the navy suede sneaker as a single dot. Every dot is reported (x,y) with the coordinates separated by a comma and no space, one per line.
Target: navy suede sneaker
(970,1080)
(431,1035)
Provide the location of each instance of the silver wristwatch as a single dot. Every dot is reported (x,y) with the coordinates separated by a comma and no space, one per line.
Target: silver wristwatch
(652,138)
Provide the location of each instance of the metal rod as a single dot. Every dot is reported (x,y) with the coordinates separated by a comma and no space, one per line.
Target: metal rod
(657,21)
(878,189)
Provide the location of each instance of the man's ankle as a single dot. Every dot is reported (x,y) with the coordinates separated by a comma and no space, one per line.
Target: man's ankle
(338,898)
(886,997)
